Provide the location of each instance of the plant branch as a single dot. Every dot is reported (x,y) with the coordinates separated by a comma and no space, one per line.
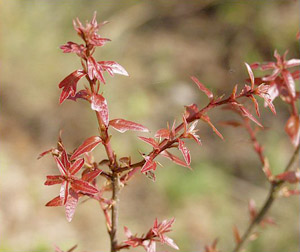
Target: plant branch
(114,212)
(275,186)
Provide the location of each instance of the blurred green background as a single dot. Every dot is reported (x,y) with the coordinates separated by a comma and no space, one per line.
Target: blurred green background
(160,43)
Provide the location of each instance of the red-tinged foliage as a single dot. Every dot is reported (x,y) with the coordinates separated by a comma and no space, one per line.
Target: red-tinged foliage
(173,158)
(185,152)
(69,85)
(80,185)
(72,47)
(55,202)
(207,120)
(251,75)
(289,176)
(90,175)
(94,70)
(149,165)
(204,89)
(122,126)
(99,103)
(112,68)
(88,145)
(236,234)
(191,111)
(89,32)
(150,141)
(71,204)
(54,179)
(162,133)
(252,209)
(292,128)
(267,170)
(246,113)
(156,234)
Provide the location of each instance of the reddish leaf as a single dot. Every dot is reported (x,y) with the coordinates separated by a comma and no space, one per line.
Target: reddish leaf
(71,205)
(170,242)
(149,165)
(99,104)
(255,105)
(185,152)
(69,84)
(173,158)
(64,191)
(267,170)
(162,133)
(289,81)
(191,111)
(61,167)
(72,47)
(236,234)
(252,209)
(83,186)
(207,119)
(54,179)
(87,146)
(55,202)
(289,176)
(292,128)
(76,166)
(204,89)
(45,153)
(64,159)
(150,141)
(292,63)
(91,175)
(122,126)
(246,113)
(94,70)
(112,68)
(251,75)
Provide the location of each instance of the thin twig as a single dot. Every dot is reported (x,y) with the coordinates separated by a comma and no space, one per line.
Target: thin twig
(275,186)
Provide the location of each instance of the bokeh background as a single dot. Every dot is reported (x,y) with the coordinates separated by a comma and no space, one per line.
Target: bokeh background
(160,43)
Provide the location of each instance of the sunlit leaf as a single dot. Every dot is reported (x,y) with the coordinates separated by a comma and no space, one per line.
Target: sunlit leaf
(122,126)
(87,146)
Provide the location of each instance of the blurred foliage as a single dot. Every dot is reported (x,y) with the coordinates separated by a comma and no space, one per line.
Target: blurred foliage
(160,43)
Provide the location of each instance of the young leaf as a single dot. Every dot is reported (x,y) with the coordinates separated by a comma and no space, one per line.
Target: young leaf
(122,126)
(55,202)
(94,70)
(250,75)
(54,180)
(289,176)
(150,141)
(292,128)
(98,103)
(173,158)
(162,133)
(207,119)
(87,146)
(246,113)
(185,152)
(112,68)
(69,85)
(76,166)
(236,234)
(71,205)
(91,175)
(83,186)
(204,89)
(148,166)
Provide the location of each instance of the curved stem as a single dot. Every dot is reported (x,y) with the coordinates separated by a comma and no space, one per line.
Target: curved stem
(275,186)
